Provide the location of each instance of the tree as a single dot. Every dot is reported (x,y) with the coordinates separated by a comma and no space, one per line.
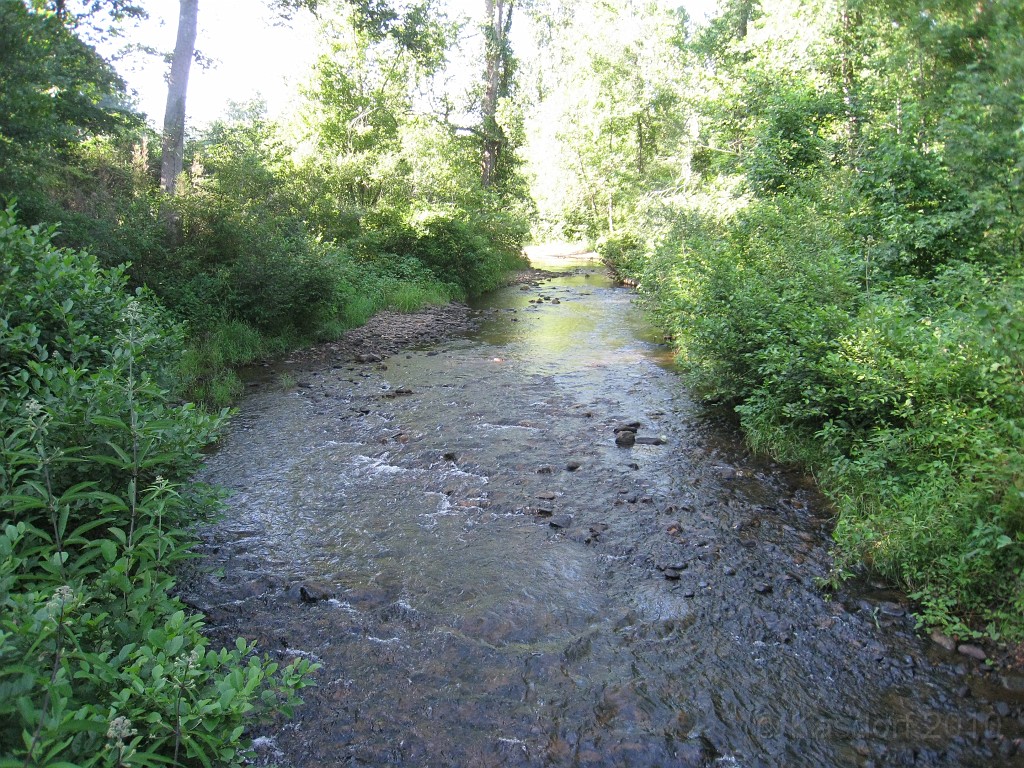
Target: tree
(499,68)
(55,93)
(177,89)
(85,16)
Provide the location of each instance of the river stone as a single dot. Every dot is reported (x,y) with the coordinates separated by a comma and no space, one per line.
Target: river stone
(894,610)
(368,357)
(544,511)
(659,440)
(547,495)
(763,588)
(573,465)
(972,651)
(672,574)
(560,521)
(625,439)
(315,592)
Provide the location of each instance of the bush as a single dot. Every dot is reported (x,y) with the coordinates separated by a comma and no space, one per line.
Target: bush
(471,256)
(100,664)
(901,395)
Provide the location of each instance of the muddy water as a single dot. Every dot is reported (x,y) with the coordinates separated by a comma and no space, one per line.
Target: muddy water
(487,579)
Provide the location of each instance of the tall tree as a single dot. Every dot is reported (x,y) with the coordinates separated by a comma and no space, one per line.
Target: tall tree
(177,89)
(498,79)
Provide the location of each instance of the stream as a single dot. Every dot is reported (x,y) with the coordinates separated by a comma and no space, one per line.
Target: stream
(488,579)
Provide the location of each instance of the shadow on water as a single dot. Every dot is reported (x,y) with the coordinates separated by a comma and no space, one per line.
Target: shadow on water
(488,579)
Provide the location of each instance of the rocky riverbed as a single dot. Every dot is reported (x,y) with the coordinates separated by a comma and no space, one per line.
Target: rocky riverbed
(511,539)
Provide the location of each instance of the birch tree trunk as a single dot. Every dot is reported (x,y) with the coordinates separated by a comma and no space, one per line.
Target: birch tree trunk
(177,89)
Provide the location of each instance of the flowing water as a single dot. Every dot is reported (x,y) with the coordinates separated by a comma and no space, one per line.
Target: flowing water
(488,579)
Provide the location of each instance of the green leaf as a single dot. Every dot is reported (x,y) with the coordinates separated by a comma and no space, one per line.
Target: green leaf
(109,550)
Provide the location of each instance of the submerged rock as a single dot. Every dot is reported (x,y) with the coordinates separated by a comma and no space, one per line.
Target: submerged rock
(315,592)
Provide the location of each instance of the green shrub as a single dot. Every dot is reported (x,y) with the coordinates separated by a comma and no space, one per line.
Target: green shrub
(624,253)
(100,664)
(901,394)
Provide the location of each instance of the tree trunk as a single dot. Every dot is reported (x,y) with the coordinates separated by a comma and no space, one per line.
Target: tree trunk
(640,144)
(745,11)
(849,22)
(177,88)
(499,23)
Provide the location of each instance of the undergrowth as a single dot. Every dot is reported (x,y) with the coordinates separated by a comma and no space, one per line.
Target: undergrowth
(99,664)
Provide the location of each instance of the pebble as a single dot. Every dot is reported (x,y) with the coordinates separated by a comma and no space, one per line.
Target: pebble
(560,521)
(943,640)
(573,465)
(763,588)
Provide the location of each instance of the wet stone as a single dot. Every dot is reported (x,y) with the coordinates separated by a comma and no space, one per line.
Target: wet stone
(625,439)
(315,592)
(972,651)
(659,440)
(573,465)
(894,610)
(560,521)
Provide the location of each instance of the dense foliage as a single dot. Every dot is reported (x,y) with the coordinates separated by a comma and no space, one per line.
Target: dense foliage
(286,232)
(100,664)
(830,228)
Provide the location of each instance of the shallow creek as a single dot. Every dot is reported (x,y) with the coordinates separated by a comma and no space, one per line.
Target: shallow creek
(489,580)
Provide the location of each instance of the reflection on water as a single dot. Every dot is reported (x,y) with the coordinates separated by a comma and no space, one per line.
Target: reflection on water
(509,587)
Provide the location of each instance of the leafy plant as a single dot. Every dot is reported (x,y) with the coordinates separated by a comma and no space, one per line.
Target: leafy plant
(100,664)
